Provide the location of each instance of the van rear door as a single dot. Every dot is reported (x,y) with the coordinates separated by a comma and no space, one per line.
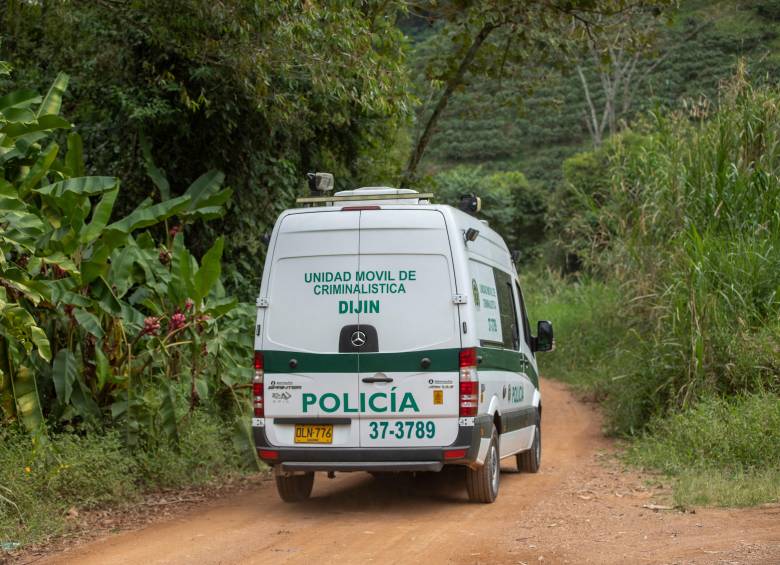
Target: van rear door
(409,377)
(307,379)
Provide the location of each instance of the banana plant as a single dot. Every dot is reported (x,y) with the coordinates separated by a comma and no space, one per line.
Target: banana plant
(94,314)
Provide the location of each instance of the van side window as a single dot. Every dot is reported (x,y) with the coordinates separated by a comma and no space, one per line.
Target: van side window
(506,309)
(524,314)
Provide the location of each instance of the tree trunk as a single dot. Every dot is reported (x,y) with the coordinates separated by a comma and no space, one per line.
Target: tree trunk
(452,84)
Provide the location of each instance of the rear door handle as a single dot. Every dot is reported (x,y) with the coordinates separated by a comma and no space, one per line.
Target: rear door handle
(377,379)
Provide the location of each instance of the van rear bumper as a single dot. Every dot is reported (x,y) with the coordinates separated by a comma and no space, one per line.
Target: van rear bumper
(376,459)
(377,466)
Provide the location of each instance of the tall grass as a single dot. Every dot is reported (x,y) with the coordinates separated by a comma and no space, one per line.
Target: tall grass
(689,228)
(684,227)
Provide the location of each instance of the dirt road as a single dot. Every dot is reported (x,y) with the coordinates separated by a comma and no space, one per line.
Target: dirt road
(581,508)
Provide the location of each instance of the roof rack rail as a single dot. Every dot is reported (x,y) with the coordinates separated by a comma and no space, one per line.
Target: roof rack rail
(364,197)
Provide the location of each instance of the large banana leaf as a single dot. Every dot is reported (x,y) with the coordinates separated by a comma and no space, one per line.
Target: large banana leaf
(53,101)
(182,266)
(153,172)
(39,169)
(22,115)
(89,322)
(64,373)
(19,99)
(74,160)
(44,123)
(25,391)
(84,186)
(100,216)
(22,229)
(142,217)
(207,198)
(210,269)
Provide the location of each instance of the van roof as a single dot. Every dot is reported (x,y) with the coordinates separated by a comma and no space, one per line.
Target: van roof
(388,198)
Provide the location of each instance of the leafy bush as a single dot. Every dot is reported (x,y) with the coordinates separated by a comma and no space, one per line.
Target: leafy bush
(205,452)
(512,206)
(592,336)
(732,434)
(98,321)
(263,90)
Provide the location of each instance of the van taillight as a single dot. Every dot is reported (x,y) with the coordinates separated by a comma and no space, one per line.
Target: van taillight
(257,385)
(469,382)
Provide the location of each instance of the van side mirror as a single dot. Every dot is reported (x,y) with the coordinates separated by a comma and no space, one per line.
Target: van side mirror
(544,336)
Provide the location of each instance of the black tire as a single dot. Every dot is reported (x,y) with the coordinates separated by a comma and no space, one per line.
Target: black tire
(530,461)
(294,488)
(482,483)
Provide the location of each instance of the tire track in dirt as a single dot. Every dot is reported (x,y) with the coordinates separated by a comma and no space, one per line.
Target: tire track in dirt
(580,508)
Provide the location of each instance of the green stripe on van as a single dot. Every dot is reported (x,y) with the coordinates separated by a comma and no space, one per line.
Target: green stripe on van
(441,360)
(497,359)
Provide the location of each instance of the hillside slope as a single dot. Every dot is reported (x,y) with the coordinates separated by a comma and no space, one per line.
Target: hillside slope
(492,124)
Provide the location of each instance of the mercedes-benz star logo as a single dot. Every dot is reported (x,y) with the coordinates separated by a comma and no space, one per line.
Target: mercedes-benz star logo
(358,339)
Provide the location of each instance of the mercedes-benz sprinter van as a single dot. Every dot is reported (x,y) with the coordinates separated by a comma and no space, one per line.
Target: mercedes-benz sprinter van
(392,336)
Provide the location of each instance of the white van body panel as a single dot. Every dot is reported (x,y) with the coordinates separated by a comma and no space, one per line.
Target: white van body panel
(412,246)
(293,322)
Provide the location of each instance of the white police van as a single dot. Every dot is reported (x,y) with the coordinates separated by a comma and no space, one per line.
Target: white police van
(392,336)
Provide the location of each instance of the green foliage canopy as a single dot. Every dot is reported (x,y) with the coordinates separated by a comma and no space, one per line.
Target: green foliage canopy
(264,91)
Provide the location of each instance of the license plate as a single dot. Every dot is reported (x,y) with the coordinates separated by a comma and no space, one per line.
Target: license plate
(313,433)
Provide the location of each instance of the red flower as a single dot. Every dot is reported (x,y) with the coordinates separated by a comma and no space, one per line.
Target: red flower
(177,321)
(151,326)
(188,304)
(174,230)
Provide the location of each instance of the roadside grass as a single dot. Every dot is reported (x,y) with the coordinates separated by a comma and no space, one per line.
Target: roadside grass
(45,477)
(721,451)
(710,487)
(591,330)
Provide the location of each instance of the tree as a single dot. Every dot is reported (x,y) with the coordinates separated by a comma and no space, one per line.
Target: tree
(622,57)
(496,37)
(263,90)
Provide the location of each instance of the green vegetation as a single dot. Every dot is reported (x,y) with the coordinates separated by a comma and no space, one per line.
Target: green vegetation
(724,451)
(537,116)
(510,204)
(129,239)
(680,217)
(107,333)
(43,480)
(592,341)
(263,90)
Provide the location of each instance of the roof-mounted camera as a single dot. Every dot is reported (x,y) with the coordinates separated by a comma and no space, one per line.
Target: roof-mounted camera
(470,204)
(320,182)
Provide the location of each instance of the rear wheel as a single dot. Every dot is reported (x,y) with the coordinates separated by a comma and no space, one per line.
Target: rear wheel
(294,488)
(530,461)
(482,483)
